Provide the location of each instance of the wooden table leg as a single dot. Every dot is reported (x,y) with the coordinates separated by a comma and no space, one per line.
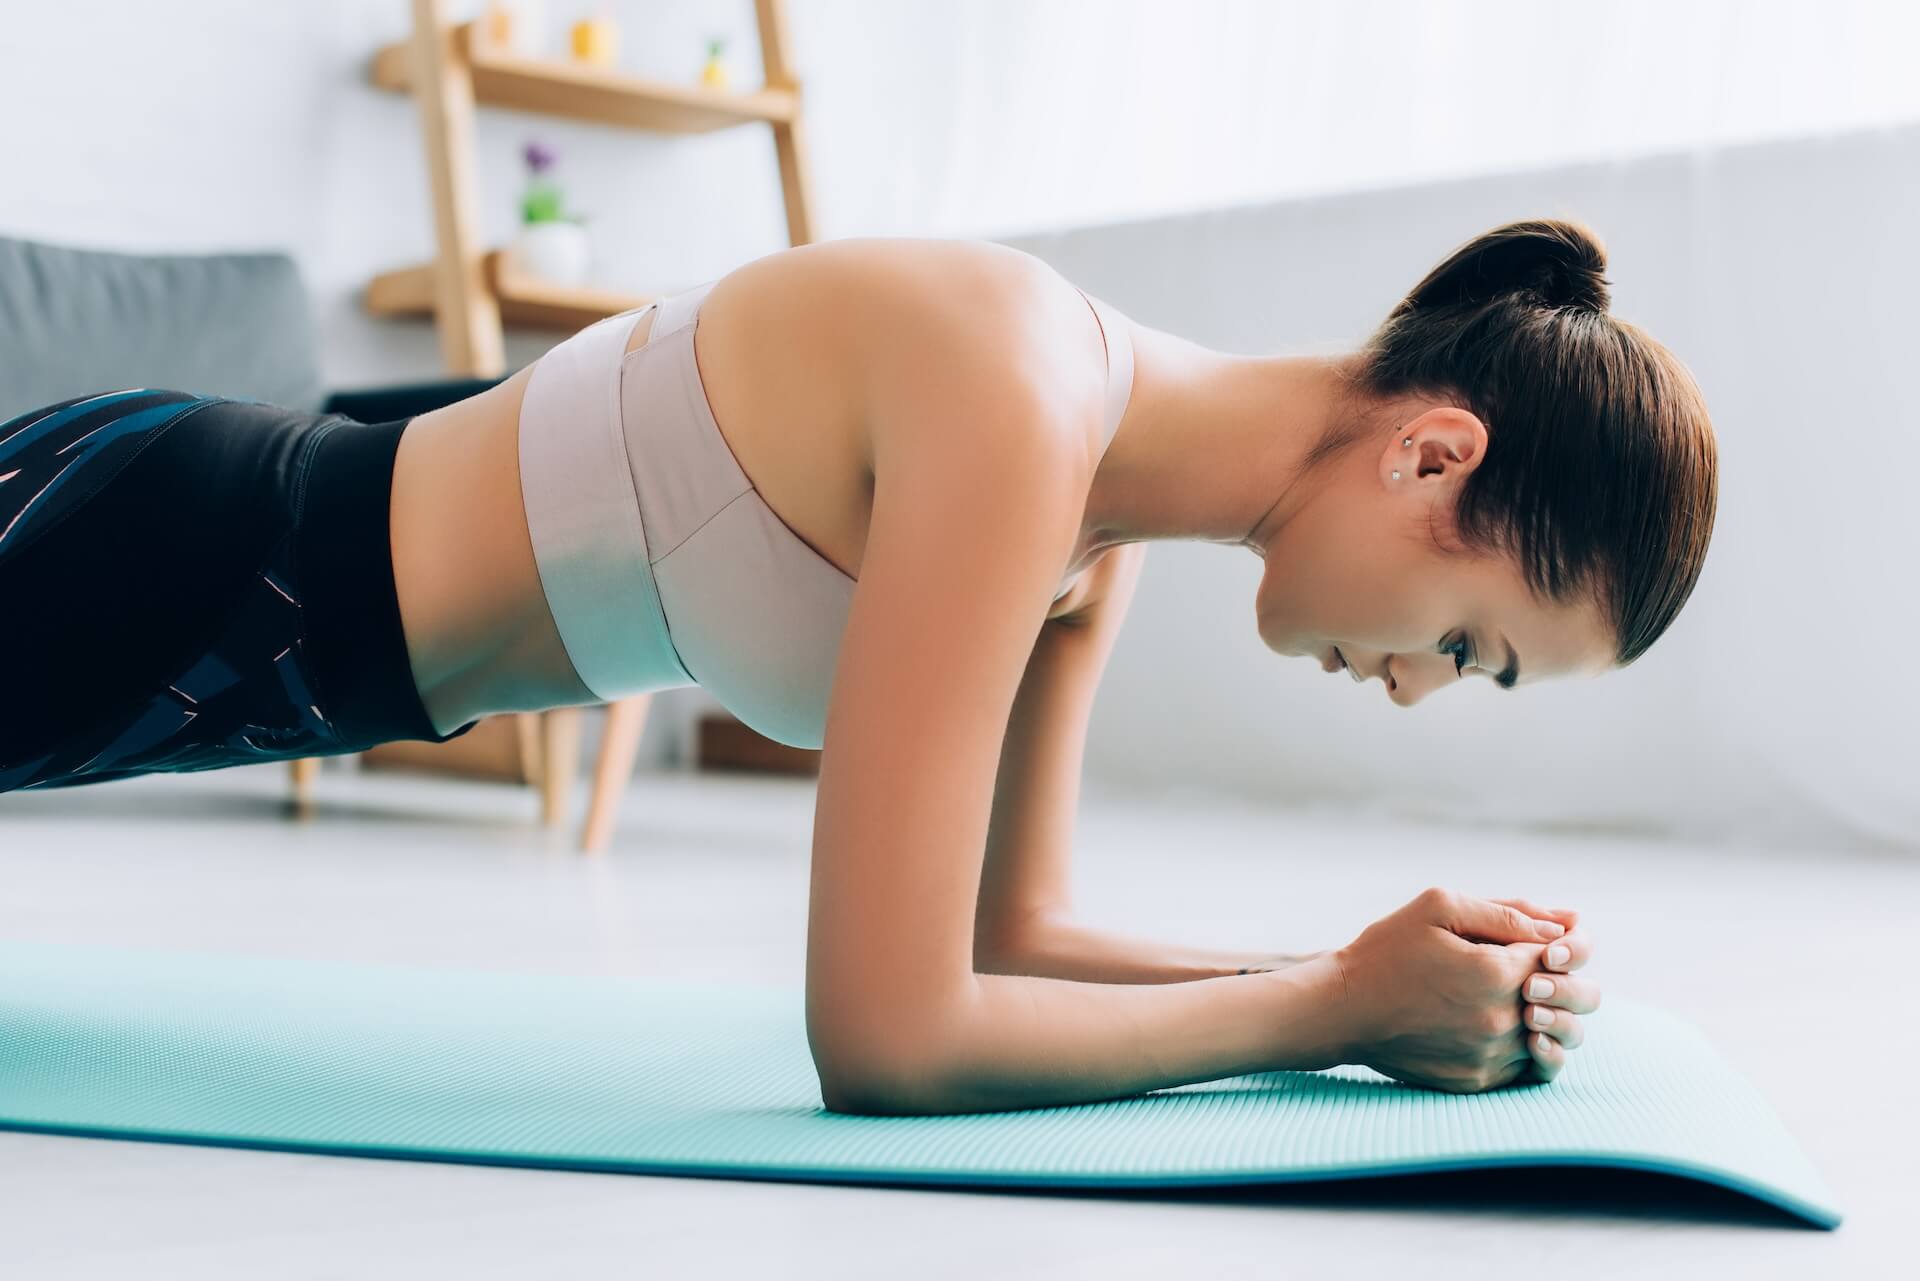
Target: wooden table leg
(559,761)
(626,721)
(305,771)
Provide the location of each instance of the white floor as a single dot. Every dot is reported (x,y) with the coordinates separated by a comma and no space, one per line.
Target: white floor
(1797,964)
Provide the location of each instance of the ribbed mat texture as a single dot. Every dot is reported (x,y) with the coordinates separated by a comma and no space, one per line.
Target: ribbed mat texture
(604,1073)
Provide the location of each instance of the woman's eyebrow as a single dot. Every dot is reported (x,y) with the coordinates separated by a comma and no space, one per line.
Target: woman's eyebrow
(1510,674)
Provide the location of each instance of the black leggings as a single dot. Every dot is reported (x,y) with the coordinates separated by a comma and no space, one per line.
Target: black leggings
(189,582)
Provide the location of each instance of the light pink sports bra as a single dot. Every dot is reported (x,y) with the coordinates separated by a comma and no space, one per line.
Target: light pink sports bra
(662,565)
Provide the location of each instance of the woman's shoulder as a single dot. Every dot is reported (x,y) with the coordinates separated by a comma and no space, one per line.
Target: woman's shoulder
(848,276)
(908,323)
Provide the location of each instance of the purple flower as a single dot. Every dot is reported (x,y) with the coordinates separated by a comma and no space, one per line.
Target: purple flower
(539,157)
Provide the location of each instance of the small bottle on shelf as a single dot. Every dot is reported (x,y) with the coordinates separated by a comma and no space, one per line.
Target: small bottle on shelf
(597,39)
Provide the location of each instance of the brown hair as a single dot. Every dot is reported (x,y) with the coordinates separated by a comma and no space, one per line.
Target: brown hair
(1600,475)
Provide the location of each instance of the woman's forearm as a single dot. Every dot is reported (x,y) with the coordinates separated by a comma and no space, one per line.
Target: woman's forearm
(1065,950)
(1012,1042)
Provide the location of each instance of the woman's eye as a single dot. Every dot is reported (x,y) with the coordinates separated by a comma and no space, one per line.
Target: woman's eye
(1459,650)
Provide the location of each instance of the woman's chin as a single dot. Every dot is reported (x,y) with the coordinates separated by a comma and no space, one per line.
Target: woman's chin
(1325,655)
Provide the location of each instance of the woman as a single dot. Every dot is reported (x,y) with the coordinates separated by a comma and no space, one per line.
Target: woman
(914,542)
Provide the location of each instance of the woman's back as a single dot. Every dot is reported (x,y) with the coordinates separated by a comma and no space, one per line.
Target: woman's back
(795,351)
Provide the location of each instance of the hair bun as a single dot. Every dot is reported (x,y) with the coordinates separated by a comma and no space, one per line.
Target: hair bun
(1548,261)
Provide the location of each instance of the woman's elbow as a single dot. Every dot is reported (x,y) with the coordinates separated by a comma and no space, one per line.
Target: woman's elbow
(877,1094)
(899,1071)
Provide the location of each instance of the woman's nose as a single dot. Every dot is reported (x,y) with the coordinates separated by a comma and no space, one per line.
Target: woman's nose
(1410,679)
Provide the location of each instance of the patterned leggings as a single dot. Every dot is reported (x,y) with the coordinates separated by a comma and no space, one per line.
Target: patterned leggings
(190,582)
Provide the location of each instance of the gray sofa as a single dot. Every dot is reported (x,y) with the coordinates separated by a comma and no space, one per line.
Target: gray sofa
(76,321)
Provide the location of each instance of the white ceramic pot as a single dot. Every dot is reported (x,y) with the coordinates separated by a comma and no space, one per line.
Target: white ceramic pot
(556,252)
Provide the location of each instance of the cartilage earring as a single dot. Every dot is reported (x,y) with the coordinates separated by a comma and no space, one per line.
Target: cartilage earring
(1396,475)
(1406,442)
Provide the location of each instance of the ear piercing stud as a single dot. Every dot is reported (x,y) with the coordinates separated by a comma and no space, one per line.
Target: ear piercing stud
(1406,442)
(1396,475)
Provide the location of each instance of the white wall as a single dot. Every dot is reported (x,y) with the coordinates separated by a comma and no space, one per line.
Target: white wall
(222,124)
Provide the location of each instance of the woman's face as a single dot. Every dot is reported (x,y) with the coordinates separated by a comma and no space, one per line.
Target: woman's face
(1369,574)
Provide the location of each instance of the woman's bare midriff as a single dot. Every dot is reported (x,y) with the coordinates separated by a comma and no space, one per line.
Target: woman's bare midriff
(775,357)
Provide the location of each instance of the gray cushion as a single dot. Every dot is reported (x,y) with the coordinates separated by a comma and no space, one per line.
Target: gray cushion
(78,321)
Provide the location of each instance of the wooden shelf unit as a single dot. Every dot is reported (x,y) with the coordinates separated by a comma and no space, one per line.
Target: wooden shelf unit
(472,292)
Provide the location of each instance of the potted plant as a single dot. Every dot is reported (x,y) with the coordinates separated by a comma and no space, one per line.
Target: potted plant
(552,244)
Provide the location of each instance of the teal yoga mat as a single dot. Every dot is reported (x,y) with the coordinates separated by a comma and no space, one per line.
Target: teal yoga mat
(605,1073)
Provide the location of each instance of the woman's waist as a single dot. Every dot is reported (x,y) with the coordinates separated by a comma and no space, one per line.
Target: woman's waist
(480,635)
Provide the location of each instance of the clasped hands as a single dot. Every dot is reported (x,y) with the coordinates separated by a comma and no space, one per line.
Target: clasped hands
(1466,994)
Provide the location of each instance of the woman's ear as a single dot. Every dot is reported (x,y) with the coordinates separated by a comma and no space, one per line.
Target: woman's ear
(1440,447)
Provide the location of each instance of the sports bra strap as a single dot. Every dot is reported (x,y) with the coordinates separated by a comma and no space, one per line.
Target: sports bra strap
(1118,338)
(677,309)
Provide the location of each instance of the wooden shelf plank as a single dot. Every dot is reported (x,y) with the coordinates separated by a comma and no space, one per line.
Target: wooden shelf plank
(525,302)
(581,91)
(406,292)
(541,304)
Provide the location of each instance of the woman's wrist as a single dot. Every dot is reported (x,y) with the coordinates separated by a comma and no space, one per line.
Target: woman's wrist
(1310,1022)
(1268,962)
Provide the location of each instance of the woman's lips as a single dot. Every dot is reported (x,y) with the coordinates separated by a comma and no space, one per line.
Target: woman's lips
(1334,662)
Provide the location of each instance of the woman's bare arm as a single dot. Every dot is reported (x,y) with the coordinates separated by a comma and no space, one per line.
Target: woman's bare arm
(1026,882)
(1024,922)
(1066,949)
(976,508)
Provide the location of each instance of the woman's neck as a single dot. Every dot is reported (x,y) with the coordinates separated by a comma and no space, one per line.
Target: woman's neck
(1211,444)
